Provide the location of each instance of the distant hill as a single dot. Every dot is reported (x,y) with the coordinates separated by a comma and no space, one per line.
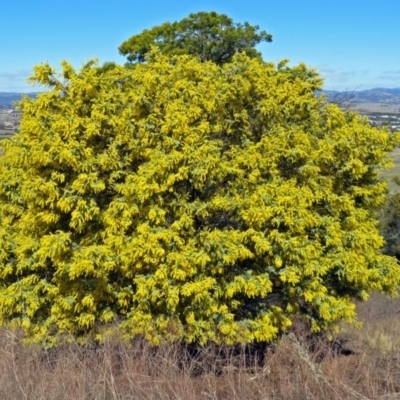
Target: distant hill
(376,95)
(8,98)
(381,96)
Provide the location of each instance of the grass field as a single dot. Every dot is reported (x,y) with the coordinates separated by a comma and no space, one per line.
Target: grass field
(5,133)
(376,107)
(395,171)
(358,364)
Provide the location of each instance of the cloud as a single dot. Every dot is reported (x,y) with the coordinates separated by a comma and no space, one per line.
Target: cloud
(336,74)
(343,79)
(23,73)
(358,79)
(391,75)
(341,74)
(15,81)
(391,72)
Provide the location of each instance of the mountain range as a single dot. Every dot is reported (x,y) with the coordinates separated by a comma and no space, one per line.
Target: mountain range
(8,98)
(376,95)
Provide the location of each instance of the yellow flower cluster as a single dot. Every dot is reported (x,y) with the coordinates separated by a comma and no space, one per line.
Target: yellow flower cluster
(186,200)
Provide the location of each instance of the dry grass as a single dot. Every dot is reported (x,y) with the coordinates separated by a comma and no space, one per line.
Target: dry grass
(376,107)
(359,364)
(393,172)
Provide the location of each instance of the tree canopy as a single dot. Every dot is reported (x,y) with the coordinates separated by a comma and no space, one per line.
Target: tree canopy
(187,200)
(208,35)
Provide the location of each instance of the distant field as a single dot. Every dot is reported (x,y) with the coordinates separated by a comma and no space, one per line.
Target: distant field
(377,107)
(395,171)
(6,132)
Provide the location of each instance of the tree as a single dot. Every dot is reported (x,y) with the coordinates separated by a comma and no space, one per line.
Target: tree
(186,200)
(208,35)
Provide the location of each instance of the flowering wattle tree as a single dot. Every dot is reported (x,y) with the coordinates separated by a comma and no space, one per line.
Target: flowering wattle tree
(187,200)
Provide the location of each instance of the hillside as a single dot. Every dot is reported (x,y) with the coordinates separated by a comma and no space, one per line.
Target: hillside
(377,100)
(376,95)
(6,98)
(380,97)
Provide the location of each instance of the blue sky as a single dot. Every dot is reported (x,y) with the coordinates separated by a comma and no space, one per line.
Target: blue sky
(354,44)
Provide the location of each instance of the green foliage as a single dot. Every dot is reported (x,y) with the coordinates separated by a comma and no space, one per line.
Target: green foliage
(208,35)
(187,200)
